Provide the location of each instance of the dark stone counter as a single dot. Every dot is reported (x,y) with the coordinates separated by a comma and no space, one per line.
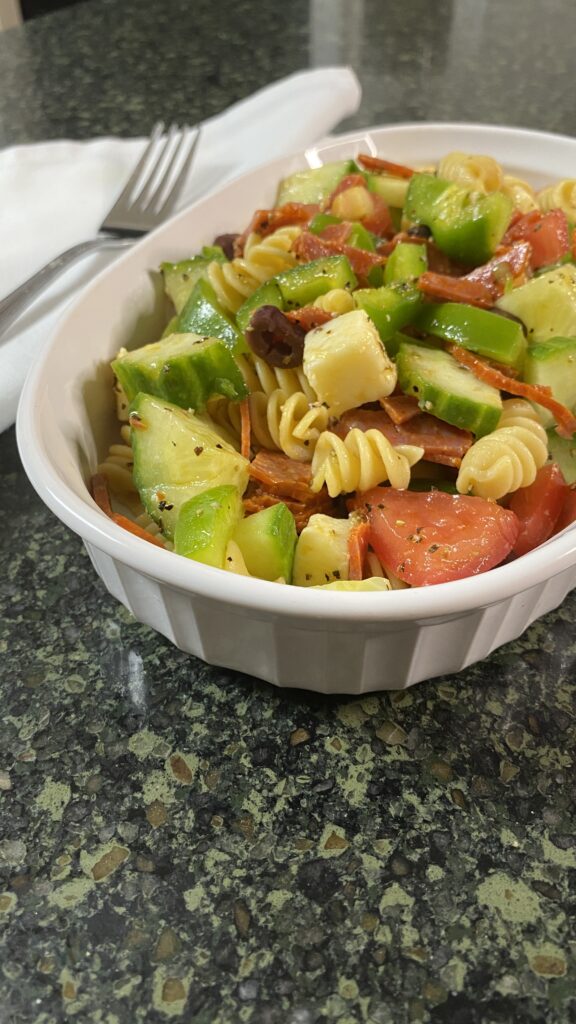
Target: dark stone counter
(181,842)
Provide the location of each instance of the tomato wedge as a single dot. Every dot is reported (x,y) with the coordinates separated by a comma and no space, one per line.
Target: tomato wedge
(548,234)
(538,507)
(568,513)
(434,537)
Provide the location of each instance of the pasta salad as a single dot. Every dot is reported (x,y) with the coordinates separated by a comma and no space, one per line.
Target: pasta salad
(372,385)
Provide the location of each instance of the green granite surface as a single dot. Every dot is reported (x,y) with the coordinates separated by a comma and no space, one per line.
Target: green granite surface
(183,843)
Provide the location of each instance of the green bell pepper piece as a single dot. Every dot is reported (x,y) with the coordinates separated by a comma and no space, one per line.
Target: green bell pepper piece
(180,278)
(322,220)
(391,307)
(268,294)
(489,334)
(300,285)
(406,262)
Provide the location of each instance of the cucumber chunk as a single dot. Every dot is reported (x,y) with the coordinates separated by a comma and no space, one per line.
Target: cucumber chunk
(180,278)
(489,334)
(314,184)
(206,523)
(204,315)
(553,364)
(390,307)
(467,226)
(392,190)
(176,456)
(446,389)
(186,369)
(546,304)
(267,540)
(322,551)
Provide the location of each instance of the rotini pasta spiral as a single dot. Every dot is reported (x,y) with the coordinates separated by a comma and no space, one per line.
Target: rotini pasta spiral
(260,376)
(236,281)
(223,415)
(295,424)
(361,461)
(561,196)
(117,466)
(521,193)
(481,173)
(374,567)
(337,300)
(508,458)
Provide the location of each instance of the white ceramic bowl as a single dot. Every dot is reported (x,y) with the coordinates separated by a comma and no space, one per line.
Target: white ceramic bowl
(333,642)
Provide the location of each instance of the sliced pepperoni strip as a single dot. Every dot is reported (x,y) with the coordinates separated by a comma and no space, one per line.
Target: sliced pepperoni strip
(310,317)
(283,476)
(442,443)
(444,288)
(245,428)
(357,548)
(538,393)
(511,263)
(101,493)
(265,222)
(137,530)
(400,408)
(311,247)
(376,163)
(258,498)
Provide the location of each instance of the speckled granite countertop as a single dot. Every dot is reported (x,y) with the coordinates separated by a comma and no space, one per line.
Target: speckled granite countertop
(180,842)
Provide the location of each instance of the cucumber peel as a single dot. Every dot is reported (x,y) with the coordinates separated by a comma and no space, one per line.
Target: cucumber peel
(177,456)
(446,389)
(206,523)
(267,540)
(186,369)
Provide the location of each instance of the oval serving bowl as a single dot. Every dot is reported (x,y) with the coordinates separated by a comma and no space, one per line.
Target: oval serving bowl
(331,642)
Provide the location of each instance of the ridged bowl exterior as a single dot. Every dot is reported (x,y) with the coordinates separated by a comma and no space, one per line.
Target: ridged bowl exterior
(392,655)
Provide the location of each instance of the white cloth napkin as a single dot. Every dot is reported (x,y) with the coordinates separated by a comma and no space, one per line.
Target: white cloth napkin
(55,194)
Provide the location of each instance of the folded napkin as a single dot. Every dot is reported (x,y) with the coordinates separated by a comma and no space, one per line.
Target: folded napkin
(55,194)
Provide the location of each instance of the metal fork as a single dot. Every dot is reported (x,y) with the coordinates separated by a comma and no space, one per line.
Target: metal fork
(148,198)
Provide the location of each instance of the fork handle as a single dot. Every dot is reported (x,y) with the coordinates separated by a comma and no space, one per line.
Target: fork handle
(14,304)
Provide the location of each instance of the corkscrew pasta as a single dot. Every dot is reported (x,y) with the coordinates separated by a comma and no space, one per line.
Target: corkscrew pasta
(481,173)
(508,458)
(237,280)
(361,461)
(561,196)
(295,424)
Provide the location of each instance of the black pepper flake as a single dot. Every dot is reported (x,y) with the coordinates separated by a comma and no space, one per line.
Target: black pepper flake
(198,449)
(433,548)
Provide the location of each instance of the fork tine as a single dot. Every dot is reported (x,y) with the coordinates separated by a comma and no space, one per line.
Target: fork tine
(172,196)
(160,189)
(155,176)
(134,178)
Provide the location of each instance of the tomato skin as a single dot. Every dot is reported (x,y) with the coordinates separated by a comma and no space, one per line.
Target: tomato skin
(434,537)
(568,514)
(548,234)
(538,508)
